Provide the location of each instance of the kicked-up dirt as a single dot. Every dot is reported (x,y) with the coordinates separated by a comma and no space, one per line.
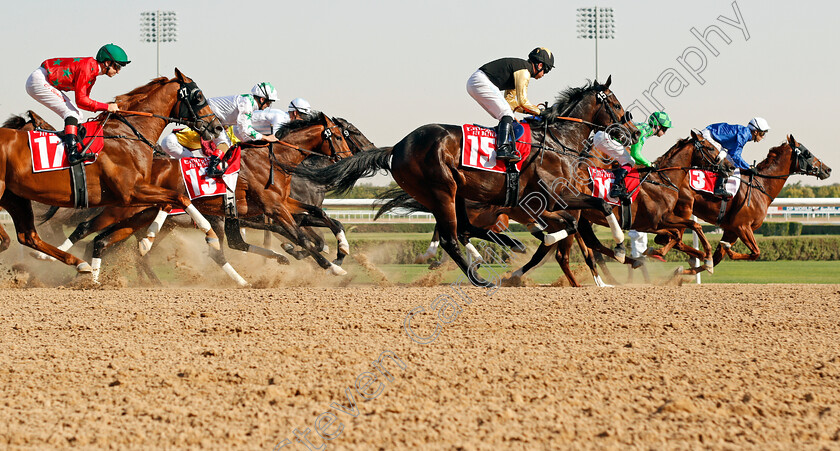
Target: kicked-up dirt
(365,367)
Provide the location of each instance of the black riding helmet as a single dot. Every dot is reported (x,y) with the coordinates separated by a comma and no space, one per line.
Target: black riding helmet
(544,56)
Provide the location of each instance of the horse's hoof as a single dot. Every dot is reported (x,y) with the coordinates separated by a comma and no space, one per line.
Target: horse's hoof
(435,264)
(84,268)
(213,242)
(620,253)
(326,250)
(679,271)
(336,270)
(38,255)
(726,245)
(145,245)
(709,265)
(637,263)
(281,259)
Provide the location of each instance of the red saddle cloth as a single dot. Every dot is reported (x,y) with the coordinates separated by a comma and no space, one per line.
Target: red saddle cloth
(199,185)
(479,148)
(48,151)
(601,181)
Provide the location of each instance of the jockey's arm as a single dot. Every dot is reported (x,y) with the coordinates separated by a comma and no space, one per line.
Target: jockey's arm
(636,153)
(518,97)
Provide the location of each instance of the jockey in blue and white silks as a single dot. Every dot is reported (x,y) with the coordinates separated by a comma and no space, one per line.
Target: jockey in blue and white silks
(731,139)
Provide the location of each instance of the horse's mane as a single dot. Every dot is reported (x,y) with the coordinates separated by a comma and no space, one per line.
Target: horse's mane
(307,121)
(673,150)
(568,99)
(142,91)
(773,156)
(14,122)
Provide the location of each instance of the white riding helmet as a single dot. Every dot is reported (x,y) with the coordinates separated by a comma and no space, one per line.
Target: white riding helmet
(300,105)
(759,124)
(265,90)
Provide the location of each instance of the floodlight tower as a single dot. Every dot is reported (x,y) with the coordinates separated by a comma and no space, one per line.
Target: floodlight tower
(158,26)
(595,23)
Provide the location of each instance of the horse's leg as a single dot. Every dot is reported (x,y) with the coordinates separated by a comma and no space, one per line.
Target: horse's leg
(20,210)
(587,236)
(671,221)
(241,245)
(115,234)
(431,251)
(5,241)
(562,253)
(146,193)
(315,216)
(233,233)
(745,233)
(586,202)
(725,246)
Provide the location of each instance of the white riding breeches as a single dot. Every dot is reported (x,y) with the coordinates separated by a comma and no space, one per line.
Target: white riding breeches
(611,148)
(708,137)
(39,89)
(488,95)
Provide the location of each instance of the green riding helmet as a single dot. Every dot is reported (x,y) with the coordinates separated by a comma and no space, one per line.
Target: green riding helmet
(659,119)
(111,52)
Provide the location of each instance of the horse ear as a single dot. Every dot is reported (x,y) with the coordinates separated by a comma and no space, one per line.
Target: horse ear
(609,80)
(694,136)
(791,141)
(179,75)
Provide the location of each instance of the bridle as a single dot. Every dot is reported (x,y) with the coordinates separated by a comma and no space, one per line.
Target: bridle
(191,100)
(328,136)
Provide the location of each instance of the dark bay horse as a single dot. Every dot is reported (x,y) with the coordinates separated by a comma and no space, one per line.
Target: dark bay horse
(426,164)
(748,208)
(262,187)
(121,173)
(653,209)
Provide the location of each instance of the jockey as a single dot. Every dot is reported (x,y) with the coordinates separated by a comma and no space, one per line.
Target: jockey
(657,124)
(55,75)
(512,76)
(270,120)
(234,112)
(730,140)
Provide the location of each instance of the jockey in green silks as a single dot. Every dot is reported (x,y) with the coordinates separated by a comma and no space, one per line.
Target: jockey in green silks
(657,124)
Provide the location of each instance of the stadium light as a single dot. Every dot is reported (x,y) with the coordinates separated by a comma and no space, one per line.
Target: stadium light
(595,23)
(157,27)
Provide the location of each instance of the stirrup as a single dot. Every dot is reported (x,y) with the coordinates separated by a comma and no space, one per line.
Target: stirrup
(508,156)
(76,157)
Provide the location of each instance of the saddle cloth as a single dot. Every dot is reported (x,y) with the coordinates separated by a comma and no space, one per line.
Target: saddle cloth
(704,181)
(601,181)
(199,185)
(48,150)
(479,148)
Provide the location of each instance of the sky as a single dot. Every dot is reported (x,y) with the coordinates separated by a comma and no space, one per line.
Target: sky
(391,66)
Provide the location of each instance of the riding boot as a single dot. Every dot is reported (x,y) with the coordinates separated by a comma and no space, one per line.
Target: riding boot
(214,168)
(720,186)
(71,143)
(505,149)
(618,190)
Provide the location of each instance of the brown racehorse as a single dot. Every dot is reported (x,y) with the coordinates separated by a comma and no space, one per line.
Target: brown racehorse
(121,173)
(262,188)
(652,211)
(746,211)
(426,164)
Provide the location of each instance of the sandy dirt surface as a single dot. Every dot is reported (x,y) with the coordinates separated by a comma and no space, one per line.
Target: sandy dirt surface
(522,368)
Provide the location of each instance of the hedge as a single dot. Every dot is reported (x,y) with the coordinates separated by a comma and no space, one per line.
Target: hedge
(772,249)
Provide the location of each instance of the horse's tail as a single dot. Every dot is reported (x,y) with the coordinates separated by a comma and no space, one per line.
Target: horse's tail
(341,176)
(47,215)
(397,198)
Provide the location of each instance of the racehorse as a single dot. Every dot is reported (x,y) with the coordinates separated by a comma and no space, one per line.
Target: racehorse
(652,210)
(257,191)
(426,164)
(121,173)
(310,192)
(748,208)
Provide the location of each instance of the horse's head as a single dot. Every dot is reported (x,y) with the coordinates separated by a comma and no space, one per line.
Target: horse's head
(597,105)
(191,109)
(355,139)
(704,154)
(316,133)
(802,161)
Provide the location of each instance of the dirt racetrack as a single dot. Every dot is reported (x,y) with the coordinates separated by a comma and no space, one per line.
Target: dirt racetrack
(524,368)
